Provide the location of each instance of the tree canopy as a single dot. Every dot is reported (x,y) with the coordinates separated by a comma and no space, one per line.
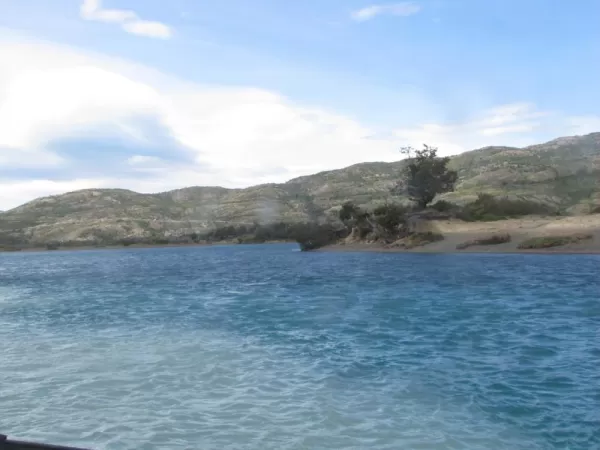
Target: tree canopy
(426,175)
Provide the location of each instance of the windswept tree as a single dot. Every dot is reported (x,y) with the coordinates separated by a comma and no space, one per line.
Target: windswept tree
(426,175)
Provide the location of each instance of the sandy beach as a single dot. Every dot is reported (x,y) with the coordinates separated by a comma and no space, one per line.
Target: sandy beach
(457,232)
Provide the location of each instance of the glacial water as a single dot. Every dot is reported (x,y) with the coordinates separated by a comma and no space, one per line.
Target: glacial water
(264,347)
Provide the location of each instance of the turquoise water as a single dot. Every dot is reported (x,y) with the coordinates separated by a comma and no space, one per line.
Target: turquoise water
(264,347)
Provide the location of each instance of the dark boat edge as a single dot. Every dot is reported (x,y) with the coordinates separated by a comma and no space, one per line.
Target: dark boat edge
(11,444)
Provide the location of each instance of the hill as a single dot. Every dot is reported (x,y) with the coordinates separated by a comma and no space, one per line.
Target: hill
(564,172)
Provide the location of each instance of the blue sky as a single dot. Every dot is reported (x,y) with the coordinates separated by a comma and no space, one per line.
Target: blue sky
(153,95)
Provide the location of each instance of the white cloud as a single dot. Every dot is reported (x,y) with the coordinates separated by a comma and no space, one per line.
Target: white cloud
(234,136)
(403,9)
(516,124)
(92,10)
(232,129)
(129,20)
(40,104)
(148,28)
(143,160)
(227,136)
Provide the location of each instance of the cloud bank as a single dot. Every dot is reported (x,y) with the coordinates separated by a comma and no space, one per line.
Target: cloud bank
(71,120)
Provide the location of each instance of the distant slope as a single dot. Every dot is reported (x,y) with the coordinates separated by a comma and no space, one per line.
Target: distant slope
(564,172)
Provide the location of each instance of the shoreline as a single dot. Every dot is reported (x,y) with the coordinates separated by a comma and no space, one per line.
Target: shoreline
(457,233)
(576,235)
(130,247)
(340,248)
(92,247)
(375,248)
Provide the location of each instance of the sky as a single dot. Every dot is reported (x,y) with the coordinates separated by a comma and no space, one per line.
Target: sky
(153,95)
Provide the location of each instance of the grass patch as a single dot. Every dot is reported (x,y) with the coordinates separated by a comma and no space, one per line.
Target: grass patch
(421,239)
(553,241)
(488,208)
(495,239)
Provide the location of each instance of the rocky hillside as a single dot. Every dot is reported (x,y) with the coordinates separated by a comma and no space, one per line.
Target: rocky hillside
(564,172)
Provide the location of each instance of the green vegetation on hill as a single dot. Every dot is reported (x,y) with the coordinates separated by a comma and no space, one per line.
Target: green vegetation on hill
(553,241)
(309,235)
(489,208)
(495,239)
(561,176)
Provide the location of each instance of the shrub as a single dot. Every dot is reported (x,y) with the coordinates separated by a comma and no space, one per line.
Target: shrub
(489,208)
(349,212)
(313,236)
(495,239)
(552,241)
(390,217)
(421,239)
(126,242)
(364,229)
(444,206)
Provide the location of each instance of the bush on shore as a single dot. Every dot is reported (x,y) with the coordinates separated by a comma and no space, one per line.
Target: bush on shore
(312,237)
(553,241)
(390,217)
(309,236)
(414,240)
(445,206)
(495,239)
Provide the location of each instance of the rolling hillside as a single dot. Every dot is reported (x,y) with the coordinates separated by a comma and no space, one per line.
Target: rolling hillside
(564,172)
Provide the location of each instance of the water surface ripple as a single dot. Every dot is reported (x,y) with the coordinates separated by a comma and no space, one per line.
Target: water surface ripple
(264,347)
